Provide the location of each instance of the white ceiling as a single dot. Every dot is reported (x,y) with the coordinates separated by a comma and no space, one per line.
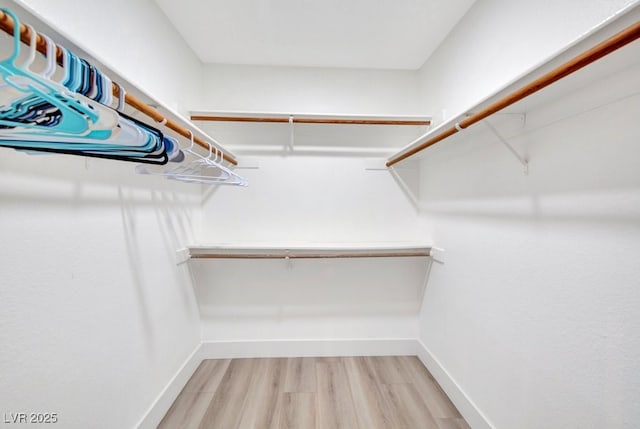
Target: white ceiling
(381,34)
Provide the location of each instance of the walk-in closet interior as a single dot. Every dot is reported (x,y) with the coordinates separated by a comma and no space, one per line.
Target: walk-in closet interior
(335,214)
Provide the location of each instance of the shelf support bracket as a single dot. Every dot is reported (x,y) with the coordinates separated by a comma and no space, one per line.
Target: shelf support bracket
(521,159)
(291,133)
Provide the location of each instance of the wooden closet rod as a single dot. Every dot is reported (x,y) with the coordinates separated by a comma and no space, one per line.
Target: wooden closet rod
(306,120)
(7,24)
(602,49)
(294,255)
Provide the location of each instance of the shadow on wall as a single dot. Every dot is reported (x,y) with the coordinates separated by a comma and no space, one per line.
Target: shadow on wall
(309,288)
(407,176)
(100,213)
(174,227)
(56,179)
(582,167)
(177,230)
(177,224)
(135,260)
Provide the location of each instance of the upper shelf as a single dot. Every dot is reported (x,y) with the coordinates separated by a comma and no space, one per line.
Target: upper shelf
(176,125)
(597,55)
(312,133)
(309,118)
(309,251)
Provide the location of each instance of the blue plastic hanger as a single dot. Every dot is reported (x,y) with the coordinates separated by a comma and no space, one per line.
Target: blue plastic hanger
(74,117)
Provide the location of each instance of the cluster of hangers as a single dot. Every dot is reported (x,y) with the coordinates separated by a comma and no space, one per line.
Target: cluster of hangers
(69,111)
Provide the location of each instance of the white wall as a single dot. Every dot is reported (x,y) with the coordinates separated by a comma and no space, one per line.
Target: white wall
(310,90)
(96,317)
(301,200)
(136,39)
(534,313)
(315,299)
(496,42)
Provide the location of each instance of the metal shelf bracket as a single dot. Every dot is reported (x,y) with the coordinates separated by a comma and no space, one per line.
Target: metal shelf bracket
(524,161)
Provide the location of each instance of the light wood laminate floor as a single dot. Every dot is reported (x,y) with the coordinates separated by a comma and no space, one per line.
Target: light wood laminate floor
(391,392)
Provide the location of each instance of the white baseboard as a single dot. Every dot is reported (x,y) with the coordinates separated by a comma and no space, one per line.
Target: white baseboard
(469,410)
(163,402)
(298,348)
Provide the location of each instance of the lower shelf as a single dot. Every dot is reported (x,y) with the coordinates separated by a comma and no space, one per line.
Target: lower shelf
(307,252)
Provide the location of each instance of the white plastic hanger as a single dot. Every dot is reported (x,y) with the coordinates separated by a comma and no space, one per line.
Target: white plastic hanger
(225,176)
(206,165)
(196,170)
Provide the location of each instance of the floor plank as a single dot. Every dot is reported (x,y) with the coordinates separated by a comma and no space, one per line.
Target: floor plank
(453,424)
(225,409)
(187,411)
(335,405)
(372,410)
(390,369)
(300,375)
(297,411)
(408,408)
(435,398)
(208,376)
(259,411)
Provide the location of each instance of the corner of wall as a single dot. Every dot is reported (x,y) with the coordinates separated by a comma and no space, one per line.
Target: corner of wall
(469,410)
(168,395)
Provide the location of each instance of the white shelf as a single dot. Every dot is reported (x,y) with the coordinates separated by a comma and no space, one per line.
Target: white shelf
(616,62)
(43,25)
(269,137)
(309,115)
(308,251)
